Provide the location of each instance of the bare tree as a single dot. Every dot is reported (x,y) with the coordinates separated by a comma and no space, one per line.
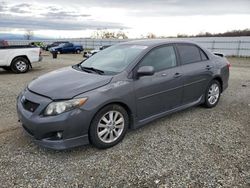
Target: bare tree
(104,34)
(96,34)
(108,35)
(151,36)
(28,35)
(121,35)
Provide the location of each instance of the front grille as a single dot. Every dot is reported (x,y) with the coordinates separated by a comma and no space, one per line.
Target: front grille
(29,105)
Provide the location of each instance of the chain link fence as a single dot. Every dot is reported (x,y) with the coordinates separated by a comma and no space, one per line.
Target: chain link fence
(229,46)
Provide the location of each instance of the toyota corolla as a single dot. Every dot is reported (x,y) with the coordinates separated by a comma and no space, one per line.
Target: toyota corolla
(122,87)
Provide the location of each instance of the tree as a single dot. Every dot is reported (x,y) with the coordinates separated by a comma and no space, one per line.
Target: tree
(28,35)
(202,34)
(151,36)
(234,33)
(182,35)
(104,34)
(108,35)
(121,35)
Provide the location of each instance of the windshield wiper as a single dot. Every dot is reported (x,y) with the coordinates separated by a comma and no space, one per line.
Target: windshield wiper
(92,69)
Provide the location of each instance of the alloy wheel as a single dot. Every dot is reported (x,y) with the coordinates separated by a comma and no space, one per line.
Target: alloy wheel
(110,126)
(213,93)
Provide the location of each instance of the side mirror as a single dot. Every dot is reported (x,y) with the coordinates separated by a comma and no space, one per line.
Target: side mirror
(145,71)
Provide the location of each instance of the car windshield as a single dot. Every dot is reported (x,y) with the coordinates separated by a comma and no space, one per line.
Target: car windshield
(114,59)
(61,45)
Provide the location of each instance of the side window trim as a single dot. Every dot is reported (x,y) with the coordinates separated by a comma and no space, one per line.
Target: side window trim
(178,57)
(201,51)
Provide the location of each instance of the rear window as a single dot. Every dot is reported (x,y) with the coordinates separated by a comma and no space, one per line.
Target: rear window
(189,53)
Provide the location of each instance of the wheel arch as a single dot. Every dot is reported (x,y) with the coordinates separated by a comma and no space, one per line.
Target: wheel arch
(22,56)
(219,79)
(77,49)
(122,104)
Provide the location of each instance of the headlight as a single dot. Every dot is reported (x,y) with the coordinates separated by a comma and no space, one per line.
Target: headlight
(56,108)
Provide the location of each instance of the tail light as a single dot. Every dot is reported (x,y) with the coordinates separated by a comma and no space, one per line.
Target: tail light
(228,65)
(40,52)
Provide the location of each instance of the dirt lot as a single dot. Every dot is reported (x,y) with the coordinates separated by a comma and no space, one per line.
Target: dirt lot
(197,147)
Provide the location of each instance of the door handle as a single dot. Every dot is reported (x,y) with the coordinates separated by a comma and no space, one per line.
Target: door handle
(208,67)
(177,75)
(163,74)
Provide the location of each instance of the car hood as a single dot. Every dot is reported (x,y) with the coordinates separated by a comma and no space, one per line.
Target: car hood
(66,83)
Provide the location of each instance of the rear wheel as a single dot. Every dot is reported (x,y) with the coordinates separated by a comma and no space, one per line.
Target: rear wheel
(78,51)
(212,95)
(109,126)
(20,65)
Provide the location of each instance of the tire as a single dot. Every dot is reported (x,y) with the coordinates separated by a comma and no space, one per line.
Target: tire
(212,95)
(78,51)
(105,134)
(20,65)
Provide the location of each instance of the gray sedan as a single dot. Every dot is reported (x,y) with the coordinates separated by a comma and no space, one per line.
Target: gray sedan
(122,87)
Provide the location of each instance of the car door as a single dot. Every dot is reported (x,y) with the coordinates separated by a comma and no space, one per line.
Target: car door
(197,71)
(4,56)
(163,90)
(67,48)
(71,48)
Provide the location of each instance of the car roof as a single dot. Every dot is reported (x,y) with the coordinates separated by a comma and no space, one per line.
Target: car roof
(61,42)
(156,42)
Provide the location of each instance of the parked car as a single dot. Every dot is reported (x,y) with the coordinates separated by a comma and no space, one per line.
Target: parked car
(90,53)
(67,48)
(120,88)
(3,43)
(93,52)
(54,44)
(104,47)
(19,59)
(38,44)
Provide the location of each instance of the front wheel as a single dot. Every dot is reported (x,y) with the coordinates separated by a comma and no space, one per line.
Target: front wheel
(212,94)
(78,51)
(109,126)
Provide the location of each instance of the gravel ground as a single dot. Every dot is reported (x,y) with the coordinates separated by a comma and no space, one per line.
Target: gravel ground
(197,147)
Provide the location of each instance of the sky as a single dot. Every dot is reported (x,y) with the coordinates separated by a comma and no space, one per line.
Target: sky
(80,18)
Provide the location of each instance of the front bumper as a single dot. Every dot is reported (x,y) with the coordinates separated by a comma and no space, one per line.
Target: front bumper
(72,124)
(59,144)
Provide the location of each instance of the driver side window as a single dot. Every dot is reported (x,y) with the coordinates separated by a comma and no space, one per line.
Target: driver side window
(68,45)
(160,58)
